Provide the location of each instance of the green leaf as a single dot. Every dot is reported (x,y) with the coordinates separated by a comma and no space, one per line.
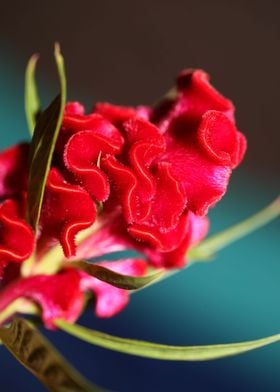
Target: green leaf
(118,280)
(162,351)
(207,248)
(31,98)
(35,353)
(42,147)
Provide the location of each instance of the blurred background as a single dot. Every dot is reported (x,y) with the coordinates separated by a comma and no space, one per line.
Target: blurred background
(129,52)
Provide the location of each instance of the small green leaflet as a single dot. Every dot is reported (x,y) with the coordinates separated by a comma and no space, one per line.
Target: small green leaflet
(207,248)
(36,354)
(115,279)
(161,351)
(42,146)
(31,97)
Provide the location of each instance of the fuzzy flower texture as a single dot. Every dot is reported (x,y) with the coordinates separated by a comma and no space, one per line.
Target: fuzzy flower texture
(139,178)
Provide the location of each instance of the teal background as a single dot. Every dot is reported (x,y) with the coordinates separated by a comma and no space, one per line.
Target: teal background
(236,296)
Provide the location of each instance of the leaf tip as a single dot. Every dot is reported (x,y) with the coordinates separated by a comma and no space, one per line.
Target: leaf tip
(31,65)
(274,207)
(57,53)
(57,48)
(34,58)
(277,203)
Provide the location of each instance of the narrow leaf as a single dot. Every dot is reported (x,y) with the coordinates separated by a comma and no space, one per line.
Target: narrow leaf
(31,98)
(118,280)
(61,70)
(42,147)
(161,351)
(207,248)
(34,352)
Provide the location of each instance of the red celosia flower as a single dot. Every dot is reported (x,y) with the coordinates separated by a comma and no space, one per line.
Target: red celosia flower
(178,161)
(157,165)
(155,172)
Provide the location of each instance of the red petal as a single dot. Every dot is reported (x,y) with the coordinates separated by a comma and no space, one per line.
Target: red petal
(74,108)
(138,129)
(194,97)
(170,200)
(242,146)
(94,122)
(200,96)
(124,181)
(115,114)
(13,170)
(220,139)
(67,209)
(162,241)
(203,176)
(118,115)
(81,155)
(16,237)
(196,228)
(59,296)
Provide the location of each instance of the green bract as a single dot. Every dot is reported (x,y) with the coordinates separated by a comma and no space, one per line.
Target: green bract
(118,280)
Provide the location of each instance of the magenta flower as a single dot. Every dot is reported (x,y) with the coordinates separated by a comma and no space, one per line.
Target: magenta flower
(137,178)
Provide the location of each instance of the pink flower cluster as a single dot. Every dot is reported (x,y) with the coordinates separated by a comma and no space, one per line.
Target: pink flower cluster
(145,177)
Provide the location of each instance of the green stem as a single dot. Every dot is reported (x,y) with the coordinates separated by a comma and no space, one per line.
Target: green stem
(19,305)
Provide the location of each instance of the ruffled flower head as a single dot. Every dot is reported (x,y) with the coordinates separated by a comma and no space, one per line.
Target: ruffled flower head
(138,178)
